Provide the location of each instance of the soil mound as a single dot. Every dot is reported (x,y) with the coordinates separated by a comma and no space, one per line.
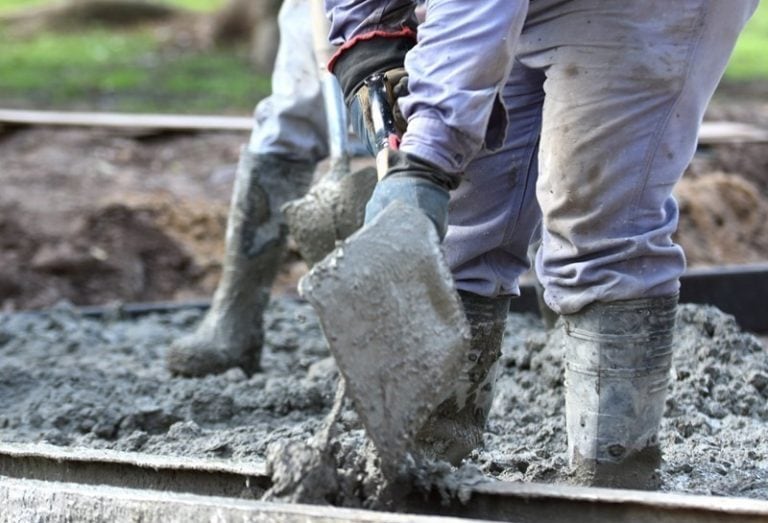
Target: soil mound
(723,220)
(197,226)
(181,184)
(748,159)
(116,252)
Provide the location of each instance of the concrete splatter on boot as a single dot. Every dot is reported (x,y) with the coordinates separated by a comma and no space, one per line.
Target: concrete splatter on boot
(457,425)
(231,333)
(332,210)
(617,362)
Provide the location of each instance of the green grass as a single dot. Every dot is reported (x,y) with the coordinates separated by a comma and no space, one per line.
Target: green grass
(750,58)
(200,5)
(124,71)
(7,6)
(130,70)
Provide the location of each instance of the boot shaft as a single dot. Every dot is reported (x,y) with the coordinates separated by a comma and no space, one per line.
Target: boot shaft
(456,427)
(231,334)
(487,319)
(263,183)
(617,362)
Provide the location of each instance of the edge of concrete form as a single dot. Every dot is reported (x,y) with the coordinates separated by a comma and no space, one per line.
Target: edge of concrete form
(36,500)
(739,290)
(169,122)
(533,502)
(47,483)
(133,470)
(710,132)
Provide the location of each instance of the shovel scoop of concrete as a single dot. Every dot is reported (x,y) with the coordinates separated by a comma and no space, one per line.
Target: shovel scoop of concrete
(333,209)
(394,324)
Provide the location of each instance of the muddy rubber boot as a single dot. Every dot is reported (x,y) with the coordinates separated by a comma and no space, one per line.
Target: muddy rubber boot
(617,363)
(231,333)
(332,210)
(457,425)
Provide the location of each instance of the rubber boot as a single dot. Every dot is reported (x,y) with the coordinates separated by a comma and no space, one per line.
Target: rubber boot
(617,363)
(332,210)
(231,333)
(456,427)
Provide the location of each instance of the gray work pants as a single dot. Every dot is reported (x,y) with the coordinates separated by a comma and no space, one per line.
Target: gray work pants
(603,100)
(291,122)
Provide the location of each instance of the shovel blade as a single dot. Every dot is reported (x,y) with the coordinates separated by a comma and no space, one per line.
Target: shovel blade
(394,324)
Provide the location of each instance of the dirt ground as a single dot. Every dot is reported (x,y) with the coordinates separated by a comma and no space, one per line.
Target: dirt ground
(93,216)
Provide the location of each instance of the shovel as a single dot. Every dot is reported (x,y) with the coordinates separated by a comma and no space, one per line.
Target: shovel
(334,207)
(391,315)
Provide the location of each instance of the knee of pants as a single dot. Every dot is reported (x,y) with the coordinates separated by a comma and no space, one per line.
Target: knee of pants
(623,107)
(624,102)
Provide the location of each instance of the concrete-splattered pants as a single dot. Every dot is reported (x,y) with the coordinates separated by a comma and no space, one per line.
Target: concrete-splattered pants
(604,99)
(291,122)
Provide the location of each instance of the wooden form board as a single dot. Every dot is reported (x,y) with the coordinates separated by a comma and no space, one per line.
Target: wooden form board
(45,483)
(711,133)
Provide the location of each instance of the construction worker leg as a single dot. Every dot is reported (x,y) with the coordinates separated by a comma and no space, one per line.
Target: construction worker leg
(492,216)
(277,166)
(627,85)
(291,123)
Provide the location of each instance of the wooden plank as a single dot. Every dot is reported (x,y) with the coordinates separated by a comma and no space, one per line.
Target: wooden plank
(84,466)
(711,133)
(714,133)
(43,483)
(169,122)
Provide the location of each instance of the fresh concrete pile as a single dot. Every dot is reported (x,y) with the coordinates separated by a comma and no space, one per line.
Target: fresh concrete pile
(713,432)
(69,380)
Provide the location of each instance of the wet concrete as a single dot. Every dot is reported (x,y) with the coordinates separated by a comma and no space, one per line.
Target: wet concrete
(712,433)
(69,380)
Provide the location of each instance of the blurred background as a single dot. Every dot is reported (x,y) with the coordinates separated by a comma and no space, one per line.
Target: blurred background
(182,56)
(185,56)
(91,215)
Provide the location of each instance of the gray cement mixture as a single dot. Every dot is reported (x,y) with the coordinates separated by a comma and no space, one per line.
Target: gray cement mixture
(100,383)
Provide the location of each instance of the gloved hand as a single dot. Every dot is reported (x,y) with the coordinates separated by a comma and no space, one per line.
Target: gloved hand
(408,179)
(366,55)
(417,183)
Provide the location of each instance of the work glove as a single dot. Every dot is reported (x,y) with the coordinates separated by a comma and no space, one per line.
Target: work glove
(417,183)
(408,179)
(369,54)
